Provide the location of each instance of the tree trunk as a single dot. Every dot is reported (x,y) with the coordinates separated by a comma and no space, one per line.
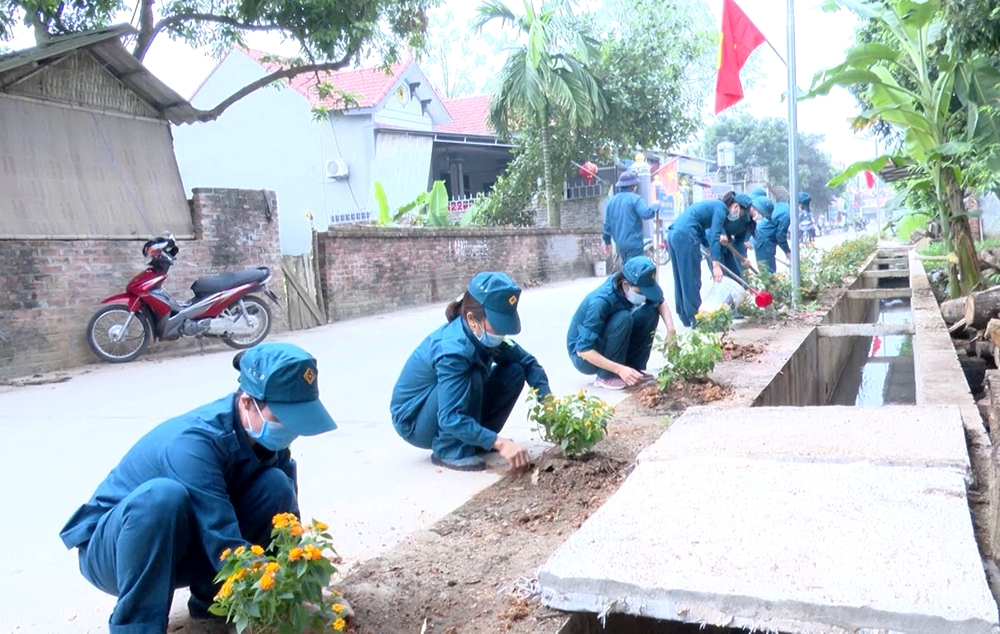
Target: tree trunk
(981,307)
(962,242)
(551,210)
(952,310)
(993,331)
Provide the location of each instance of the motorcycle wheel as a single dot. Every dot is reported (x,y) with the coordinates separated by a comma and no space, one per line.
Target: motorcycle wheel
(257,308)
(108,323)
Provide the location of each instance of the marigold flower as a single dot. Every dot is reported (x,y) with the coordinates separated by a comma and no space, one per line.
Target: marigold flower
(320,526)
(282,520)
(257,550)
(266,581)
(239,574)
(272,568)
(339,625)
(225,554)
(295,554)
(239,551)
(296,530)
(312,552)
(225,591)
(338,608)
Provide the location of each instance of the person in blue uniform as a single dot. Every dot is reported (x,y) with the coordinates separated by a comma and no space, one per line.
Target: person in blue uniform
(772,233)
(701,225)
(459,386)
(740,230)
(806,227)
(611,334)
(623,218)
(196,485)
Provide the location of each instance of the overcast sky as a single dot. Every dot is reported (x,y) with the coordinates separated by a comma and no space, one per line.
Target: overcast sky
(821,39)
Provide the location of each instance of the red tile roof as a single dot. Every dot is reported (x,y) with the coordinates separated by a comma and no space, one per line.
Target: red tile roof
(468,116)
(369,85)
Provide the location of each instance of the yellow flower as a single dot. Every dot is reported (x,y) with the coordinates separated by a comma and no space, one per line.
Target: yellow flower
(339,625)
(338,608)
(296,530)
(239,551)
(580,394)
(320,526)
(266,581)
(312,552)
(257,550)
(282,520)
(225,591)
(272,568)
(239,574)
(225,554)
(295,554)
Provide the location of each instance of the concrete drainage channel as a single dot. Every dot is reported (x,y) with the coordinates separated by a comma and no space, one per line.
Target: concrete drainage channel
(838,501)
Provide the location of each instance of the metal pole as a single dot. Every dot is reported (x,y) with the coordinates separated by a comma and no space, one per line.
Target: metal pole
(793,153)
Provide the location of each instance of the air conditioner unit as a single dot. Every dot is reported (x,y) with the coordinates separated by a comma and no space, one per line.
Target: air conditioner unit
(336,168)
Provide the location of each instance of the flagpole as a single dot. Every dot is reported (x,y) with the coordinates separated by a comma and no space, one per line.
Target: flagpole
(793,153)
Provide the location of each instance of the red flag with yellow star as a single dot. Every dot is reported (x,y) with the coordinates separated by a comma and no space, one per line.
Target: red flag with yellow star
(739,38)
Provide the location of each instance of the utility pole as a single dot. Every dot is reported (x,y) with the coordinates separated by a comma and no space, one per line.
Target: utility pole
(793,154)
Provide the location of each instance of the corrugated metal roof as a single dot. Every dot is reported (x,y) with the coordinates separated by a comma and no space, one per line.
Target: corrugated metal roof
(106,46)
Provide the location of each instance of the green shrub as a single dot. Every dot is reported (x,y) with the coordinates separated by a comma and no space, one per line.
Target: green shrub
(575,423)
(689,356)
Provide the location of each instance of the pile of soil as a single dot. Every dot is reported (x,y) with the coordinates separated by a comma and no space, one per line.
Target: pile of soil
(733,351)
(681,395)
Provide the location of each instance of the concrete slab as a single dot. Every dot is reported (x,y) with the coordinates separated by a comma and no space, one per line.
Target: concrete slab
(898,435)
(785,546)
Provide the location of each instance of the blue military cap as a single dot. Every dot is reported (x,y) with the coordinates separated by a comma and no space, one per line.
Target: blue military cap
(744,200)
(641,272)
(760,191)
(805,199)
(499,295)
(286,378)
(764,205)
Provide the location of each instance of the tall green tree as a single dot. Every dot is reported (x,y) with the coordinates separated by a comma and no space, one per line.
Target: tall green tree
(951,134)
(545,78)
(331,34)
(764,143)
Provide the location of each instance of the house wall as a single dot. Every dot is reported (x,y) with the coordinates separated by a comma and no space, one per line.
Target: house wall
(407,114)
(353,140)
(267,140)
(367,270)
(50,288)
(575,213)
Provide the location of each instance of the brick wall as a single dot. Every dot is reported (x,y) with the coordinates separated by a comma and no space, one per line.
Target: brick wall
(50,288)
(576,213)
(366,270)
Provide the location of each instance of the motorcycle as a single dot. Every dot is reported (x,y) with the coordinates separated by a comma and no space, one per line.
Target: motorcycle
(221,307)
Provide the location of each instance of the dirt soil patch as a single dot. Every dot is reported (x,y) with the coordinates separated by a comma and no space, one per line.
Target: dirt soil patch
(681,395)
(734,351)
(474,571)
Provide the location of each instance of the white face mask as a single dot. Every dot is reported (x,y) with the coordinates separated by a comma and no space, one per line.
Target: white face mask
(734,215)
(635,298)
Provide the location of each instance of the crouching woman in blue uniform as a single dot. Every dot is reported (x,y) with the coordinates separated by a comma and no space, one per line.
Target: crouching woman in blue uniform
(196,485)
(459,386)
(611,334)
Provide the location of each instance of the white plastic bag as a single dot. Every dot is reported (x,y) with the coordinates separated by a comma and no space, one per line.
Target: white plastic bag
(728,292)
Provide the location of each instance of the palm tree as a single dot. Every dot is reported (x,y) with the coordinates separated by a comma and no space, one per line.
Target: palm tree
(545,77)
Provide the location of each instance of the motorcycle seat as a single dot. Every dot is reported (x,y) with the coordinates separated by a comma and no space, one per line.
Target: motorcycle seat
(209,284)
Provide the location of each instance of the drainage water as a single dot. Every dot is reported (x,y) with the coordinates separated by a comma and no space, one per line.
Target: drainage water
(880,369)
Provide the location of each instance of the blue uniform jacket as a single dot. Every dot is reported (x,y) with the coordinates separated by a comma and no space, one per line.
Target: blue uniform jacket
(593,314)
(704,220)
(208,451)
(623,221)
(776,229)
(446,361)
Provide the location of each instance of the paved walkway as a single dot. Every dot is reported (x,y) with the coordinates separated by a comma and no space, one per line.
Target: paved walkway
(369,485)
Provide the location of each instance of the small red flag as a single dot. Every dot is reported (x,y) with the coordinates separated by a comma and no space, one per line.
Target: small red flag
(869,179)
(739,38)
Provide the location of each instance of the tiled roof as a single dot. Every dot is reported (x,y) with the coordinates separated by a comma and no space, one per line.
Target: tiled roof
(369,85)
(468,116)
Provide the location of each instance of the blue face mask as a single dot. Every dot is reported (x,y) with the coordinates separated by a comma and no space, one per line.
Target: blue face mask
(272,435)
(490,340)
(637,299)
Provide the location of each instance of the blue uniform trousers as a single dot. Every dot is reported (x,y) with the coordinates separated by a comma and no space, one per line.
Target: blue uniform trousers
(685,261)
(496,397)
(147,546)
(766,250)
(627,339)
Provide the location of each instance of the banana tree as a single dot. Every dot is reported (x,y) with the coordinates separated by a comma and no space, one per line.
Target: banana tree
(545,77)
(914,83)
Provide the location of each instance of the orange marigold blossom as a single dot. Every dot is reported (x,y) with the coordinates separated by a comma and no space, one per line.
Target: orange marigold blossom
(272,567)
(312,552)
(320,526)
(257,550)
(339,625)
(266,581)
(296,530)
(225,591)
(295,554)
(225,554)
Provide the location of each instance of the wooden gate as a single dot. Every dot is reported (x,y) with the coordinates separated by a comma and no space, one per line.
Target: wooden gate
(306,308)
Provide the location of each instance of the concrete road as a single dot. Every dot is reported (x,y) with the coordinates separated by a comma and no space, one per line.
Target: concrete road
(363,480)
